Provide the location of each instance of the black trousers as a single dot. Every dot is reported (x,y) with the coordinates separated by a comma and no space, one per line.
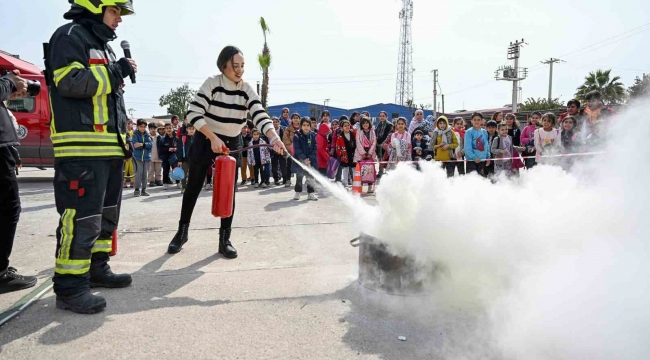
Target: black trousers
(279,168)
(473,166)
(9,206)
(201,157)
(88,196)
(261,173)
(287,174)
(461,167)
(166,168)
(450,168)
(310,180)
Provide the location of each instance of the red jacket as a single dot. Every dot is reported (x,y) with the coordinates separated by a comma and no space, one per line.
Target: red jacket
(321,144)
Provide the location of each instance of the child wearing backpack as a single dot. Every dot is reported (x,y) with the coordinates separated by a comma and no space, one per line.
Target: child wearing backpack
(260,159)
(142,144)
(445,142)
(477,146)
(305,151)
(502,147)
(547,139)
(183,151)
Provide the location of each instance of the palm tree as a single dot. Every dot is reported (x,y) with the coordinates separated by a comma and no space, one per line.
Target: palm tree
(265,63)
(612,91)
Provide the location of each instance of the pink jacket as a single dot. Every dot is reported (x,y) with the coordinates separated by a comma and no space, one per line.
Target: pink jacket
(360,151)
(527,134)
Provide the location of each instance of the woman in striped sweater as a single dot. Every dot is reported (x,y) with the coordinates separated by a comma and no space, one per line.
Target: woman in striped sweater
(218,113)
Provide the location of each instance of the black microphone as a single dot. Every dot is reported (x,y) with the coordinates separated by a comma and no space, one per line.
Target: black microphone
(127,54)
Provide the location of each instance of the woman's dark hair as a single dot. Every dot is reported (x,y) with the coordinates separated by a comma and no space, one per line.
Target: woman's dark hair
(294,115)
(325,112)
(305,119)
(227,54)
(383,112)
(352,116)
(496,115)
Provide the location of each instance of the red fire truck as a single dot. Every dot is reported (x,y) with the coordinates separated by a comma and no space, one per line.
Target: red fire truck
(33,115)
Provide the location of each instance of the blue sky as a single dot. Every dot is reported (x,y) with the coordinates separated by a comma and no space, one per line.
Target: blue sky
(346,51)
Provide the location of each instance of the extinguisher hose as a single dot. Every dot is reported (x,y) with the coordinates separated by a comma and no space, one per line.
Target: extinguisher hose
(286,154)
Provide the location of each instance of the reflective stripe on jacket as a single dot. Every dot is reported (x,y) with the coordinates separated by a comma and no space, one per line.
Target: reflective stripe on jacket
(88,110)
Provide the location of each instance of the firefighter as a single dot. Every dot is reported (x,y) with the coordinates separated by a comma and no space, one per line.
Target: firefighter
(88,128)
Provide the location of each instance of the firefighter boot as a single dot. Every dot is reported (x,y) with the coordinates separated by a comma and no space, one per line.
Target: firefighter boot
(86,303)
(225,246)
(102,276)
(179,239)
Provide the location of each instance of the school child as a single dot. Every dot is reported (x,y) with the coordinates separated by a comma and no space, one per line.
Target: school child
(182,153)
(569,137)
(444,144)
(515,134)
(459,130)
(569,140)
(246,175)
(260,159)
(527,138)
(142,144)
(305,150)
(167,147)
(477,147)
(492,134)
(400,144)
(502,147)
(321,143)
(345,147)
(547,139)
(419,146)
(287,139)
(383,131)
(366,149)
(155,169)
(128,164)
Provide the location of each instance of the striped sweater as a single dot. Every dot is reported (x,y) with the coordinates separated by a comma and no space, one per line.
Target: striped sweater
(221,105)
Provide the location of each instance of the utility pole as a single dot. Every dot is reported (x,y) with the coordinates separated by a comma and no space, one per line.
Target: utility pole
(435,94)
(443,103)
(514,74)
(325,103)
(550,62)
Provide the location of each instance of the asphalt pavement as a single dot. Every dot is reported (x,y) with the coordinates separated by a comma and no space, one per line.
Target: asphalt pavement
(291,294)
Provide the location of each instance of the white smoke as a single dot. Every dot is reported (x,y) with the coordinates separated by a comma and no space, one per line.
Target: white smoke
(559,261)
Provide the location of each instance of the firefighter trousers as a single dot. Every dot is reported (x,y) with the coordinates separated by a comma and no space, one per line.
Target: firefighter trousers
(88,195)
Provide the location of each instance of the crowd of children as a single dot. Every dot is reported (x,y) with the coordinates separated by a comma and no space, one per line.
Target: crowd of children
(334,147)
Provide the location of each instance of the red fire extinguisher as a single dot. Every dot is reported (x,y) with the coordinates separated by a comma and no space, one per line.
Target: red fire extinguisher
(224,185)
(114,244)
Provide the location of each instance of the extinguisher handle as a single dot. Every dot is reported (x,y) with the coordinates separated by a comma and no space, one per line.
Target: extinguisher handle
(224,149)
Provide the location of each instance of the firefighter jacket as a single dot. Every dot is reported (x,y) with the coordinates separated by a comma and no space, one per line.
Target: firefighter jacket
(88,111)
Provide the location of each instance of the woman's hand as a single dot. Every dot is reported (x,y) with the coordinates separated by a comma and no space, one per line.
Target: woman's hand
(216,144)
(278,147)
(445,147)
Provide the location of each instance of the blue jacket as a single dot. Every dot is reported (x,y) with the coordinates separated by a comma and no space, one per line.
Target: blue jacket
(304,146)
(142,153)
(471,138)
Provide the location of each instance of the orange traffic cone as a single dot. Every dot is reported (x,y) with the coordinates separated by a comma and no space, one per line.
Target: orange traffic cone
(356,180)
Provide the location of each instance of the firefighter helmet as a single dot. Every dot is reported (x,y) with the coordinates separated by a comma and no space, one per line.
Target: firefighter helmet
(96,6)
